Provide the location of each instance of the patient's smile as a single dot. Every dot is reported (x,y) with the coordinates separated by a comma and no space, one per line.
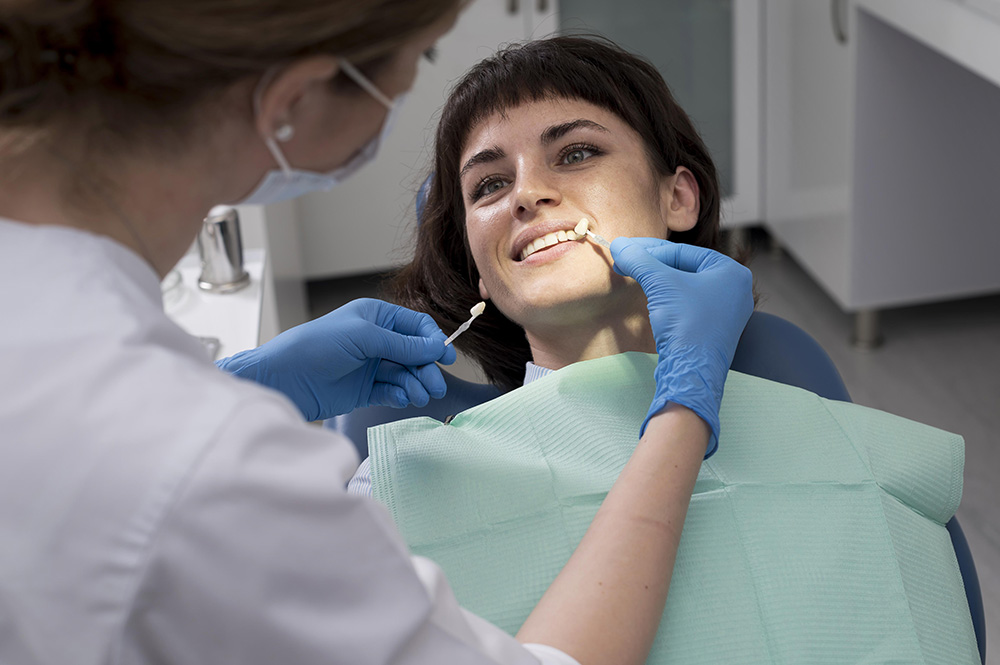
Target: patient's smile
(548,240)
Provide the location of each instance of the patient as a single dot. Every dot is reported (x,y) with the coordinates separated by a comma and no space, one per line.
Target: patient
(789,550)
(530,142)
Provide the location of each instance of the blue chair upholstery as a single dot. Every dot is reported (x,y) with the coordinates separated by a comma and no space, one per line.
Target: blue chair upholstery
(971,581)
(776,349)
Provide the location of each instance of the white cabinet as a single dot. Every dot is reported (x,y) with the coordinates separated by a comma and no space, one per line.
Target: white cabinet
(883,152)
(808,128)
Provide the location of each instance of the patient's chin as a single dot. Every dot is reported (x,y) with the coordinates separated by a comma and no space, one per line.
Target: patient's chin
(548,314)
(567,298)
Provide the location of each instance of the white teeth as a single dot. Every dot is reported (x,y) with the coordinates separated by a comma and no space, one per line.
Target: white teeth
(547,241)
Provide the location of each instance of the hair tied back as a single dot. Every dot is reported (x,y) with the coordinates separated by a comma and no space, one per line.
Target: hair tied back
(46,54)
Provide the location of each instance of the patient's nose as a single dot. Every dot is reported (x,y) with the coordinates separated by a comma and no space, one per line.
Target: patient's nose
(533,190)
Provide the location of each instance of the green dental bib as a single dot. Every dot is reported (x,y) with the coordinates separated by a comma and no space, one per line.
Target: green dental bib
(815,534)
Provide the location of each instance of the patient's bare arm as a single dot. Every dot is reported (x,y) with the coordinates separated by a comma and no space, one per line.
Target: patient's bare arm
(606,604)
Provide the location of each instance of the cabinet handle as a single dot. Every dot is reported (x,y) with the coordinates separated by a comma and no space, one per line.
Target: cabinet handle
(838,14)
(543,5)
(512,6)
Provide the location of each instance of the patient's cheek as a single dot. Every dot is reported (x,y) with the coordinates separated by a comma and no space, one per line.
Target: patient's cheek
(502,298)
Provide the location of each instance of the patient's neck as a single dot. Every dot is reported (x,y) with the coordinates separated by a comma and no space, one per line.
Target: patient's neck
(556,346)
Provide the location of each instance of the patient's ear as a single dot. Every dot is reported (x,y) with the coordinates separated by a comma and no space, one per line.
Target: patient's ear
(680,200)
(483,293)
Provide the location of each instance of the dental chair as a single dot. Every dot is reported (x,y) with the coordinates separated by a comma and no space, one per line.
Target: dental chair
(770,347)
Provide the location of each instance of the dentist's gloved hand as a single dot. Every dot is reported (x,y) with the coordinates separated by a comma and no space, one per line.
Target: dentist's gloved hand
(699,303)
(366,353)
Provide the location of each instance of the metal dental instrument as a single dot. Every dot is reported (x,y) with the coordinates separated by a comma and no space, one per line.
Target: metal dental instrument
(477,309)
(581,229)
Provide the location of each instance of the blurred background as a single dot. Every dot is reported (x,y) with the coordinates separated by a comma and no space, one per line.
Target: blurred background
(858,143)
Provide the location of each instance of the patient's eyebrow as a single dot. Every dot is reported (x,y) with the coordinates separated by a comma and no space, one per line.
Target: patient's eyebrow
(483,157)
(556,132)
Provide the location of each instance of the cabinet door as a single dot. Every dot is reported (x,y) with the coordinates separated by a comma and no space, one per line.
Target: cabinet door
(808,63)
(808,135)
(365,224)
(709,53)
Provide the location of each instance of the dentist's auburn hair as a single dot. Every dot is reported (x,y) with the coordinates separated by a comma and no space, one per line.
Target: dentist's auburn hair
(133,74)
(442,278)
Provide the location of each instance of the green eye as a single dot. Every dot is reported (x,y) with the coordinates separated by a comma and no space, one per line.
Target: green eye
(578,153)
(487,186)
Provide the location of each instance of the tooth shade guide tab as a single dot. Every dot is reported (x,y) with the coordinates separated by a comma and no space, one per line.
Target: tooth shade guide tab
(476,310)
(583,228)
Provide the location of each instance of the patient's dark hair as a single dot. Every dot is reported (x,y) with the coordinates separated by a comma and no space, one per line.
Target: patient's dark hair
(442,278)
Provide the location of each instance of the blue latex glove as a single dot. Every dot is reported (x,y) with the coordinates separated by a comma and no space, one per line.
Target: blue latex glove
(367,352)
(699,302)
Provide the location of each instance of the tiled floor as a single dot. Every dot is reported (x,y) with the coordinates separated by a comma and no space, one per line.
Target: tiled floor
(940,365)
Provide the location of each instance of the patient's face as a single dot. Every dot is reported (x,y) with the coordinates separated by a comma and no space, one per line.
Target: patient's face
(537,170)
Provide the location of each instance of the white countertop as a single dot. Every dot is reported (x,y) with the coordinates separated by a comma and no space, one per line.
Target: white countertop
(233,318)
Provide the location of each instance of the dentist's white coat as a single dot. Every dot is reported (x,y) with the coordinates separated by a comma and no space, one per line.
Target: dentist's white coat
(155,510)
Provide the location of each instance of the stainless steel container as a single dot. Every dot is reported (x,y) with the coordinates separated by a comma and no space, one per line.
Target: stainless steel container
(221,248)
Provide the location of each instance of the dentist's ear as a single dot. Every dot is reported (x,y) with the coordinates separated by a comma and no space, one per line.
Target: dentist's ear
(281,93)
(680,200)
(483,292)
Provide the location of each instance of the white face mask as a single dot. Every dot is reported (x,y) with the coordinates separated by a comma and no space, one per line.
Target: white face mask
(287,182)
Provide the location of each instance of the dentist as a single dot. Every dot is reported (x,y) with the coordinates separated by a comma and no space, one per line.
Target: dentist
(154,509)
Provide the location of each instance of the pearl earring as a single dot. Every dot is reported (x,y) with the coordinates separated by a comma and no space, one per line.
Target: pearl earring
(284,133)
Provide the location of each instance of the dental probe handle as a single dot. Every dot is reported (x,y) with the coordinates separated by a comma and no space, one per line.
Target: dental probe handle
(583,228)
(598,239)
(461,329)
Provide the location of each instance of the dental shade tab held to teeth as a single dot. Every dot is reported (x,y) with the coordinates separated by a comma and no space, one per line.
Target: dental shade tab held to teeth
(581,230)
(476,310)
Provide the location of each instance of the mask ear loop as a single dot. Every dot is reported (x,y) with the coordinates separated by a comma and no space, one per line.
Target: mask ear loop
(285,130)
(366,85)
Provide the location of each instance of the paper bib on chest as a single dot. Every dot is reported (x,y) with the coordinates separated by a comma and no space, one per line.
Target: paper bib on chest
(815,534)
